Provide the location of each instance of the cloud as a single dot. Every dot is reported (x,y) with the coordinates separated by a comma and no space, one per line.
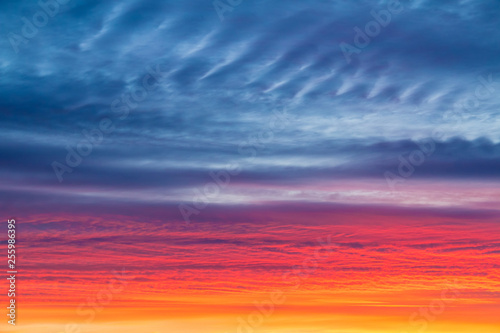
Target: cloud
(319,173)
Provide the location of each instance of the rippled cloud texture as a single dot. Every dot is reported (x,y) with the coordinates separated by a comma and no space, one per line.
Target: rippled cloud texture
(203,147)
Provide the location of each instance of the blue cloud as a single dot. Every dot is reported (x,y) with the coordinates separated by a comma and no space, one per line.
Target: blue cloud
(222,80)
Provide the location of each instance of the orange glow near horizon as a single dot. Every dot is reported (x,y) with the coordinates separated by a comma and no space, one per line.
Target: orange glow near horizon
(369,271)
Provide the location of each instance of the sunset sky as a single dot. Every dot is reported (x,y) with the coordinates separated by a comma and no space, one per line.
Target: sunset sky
(249,166)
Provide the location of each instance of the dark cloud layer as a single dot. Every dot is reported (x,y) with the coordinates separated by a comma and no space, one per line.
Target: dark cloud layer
(222,81)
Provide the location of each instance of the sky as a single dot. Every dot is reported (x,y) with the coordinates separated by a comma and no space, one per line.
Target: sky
(174,165)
